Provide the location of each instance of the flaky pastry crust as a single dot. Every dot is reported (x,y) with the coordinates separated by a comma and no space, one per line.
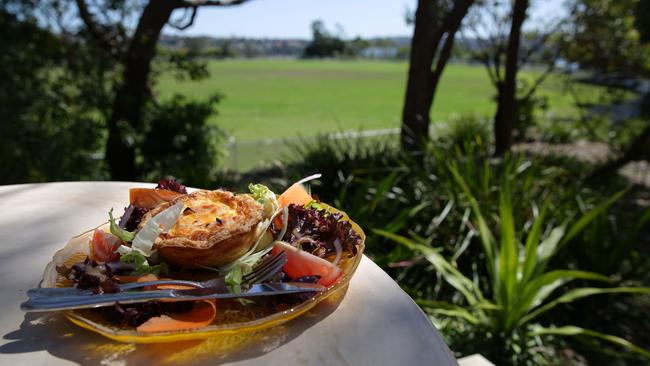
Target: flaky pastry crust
(214,229)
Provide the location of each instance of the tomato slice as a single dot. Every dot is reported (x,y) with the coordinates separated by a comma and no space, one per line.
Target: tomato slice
(104,246)
(301,263)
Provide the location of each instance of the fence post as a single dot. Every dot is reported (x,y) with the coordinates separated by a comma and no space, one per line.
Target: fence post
(232,141)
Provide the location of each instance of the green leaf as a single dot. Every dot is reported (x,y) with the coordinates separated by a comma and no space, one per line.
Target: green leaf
(266,197)
(142,265)
(547,248)
(532,243)
(234,276)
(447,309)
(456,279)
(487,239)
(124,235)
(538,290)
(508,250)
(570,330)
(384,186)
(590,216)
(579,293)
(404,217)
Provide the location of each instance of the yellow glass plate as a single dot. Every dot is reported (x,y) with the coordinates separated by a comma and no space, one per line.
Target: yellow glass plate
(233,318)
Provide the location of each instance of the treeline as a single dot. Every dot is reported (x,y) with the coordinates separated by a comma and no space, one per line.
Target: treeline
(324,43)
(323,46)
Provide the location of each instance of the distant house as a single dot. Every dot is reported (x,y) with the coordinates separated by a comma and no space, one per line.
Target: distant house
(379,52)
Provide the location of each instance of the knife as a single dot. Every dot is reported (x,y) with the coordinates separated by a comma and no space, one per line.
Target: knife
(83,301)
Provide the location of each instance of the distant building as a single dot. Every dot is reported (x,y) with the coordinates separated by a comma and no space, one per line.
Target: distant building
(379,52)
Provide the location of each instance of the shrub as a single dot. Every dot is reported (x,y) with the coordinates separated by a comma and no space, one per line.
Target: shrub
(382,188)
(179,142)
(505,306)
(462,130)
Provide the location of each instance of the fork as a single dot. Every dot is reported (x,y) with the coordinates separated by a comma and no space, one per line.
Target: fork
(55,303)
(263,271)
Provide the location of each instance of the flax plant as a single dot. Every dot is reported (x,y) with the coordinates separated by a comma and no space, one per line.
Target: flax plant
(519,287)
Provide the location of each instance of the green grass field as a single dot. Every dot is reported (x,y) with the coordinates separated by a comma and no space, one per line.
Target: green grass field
(286,98)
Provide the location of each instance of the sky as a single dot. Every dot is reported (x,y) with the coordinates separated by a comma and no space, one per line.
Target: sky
(292,18)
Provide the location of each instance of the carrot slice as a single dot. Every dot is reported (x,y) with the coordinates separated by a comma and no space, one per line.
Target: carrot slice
(150,197)
(201,316)
(153,277)
(295,194)
(126,279)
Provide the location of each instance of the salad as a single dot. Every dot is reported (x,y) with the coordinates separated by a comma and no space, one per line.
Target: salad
(167,232)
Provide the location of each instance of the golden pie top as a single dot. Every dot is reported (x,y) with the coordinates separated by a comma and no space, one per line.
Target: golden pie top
(207,218)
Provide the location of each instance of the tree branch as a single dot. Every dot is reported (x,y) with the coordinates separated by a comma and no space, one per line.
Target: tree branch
(454,19)
(189,22)
(197,3)
(93,27)
(549,69)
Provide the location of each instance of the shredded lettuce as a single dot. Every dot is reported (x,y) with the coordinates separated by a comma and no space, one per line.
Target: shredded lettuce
(145,238)
(142,265)
(124,235)
(266,197)
(242,266)
(234,276)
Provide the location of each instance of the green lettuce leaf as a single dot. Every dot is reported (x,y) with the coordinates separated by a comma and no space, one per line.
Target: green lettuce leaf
(266,197)
(142,266)
(124,235)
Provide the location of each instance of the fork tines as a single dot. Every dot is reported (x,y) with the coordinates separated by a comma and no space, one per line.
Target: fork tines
(266,269)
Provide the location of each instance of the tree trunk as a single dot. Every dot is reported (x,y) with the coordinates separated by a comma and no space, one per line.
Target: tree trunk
(415,116)
(506,115)
(133,93)
(422,81)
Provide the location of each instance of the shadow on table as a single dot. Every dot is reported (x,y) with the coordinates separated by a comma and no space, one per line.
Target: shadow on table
(55,334)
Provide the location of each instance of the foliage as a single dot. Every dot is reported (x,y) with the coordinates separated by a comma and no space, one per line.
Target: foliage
(603,37)
(57,96)
(642,20)
(179,142)
(50,129)
(507,304)
(467,129)
(530,103)
(324,43)
(384,189)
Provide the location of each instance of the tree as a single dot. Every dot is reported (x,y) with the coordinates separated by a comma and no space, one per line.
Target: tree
(503,48)
(324,43)
(134,54)
(638,44)
(504,120)
(93,93)
(48,130)
(436,24)
(642,20)
(602,37)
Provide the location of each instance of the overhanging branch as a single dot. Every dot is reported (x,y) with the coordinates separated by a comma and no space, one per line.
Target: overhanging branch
(93,27)
(189,22)
(197,3)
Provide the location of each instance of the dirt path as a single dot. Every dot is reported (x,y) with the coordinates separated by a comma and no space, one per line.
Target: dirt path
(637,172)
